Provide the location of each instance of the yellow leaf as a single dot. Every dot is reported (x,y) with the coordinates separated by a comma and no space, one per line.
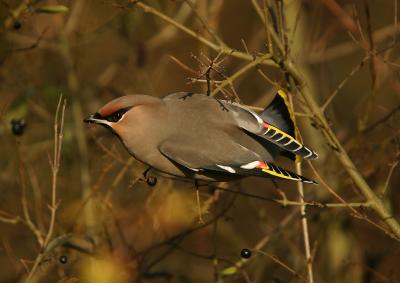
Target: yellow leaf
(229,271)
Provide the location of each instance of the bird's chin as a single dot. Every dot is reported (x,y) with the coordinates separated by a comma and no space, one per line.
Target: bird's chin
(110,128)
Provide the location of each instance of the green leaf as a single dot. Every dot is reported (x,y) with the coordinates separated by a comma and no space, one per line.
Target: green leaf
(53,9)
(229,271)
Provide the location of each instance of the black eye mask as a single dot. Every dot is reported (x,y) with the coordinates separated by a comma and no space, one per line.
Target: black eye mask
(114,117)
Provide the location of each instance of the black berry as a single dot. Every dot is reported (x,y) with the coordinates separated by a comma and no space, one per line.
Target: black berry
(18,126)
(151,181)
(245,253)
(17,24)
(63,259)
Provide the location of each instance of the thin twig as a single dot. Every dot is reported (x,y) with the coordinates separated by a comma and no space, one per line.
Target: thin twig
(300,185)
(355,70)
(387,181)
(204,23)
(284,265)
(55,165)
(304,222)
(263,242)
(225,50)
(9,219)
(304,225)
(381,120)
(25,209)
(270,28)
(395,9)
(240,72)
(182,65)
(372,67)
(355,212)
(16,13)
(284,202)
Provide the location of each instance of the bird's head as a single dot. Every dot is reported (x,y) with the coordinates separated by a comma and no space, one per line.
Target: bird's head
(123,113)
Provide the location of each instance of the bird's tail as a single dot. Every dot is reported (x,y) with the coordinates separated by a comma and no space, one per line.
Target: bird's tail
(269,169)
(282,130)
(280,114)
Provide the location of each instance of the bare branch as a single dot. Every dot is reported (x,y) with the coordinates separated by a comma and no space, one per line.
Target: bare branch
(224,50)
(58,137)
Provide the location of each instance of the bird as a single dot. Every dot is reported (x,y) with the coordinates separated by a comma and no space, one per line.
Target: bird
(198,137)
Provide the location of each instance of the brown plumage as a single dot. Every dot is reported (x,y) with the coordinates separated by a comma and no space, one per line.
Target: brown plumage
(199,137)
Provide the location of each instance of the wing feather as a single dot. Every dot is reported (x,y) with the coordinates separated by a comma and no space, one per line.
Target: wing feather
(253,123)
(198,161)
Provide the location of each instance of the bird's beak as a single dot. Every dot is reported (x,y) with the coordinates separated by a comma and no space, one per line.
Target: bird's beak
(95,119)
(91,119)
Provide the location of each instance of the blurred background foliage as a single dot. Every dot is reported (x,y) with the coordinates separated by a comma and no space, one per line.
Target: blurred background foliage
(111,226)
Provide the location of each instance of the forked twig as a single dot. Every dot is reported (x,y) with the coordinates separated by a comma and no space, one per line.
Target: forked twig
(225,50)
(55,165)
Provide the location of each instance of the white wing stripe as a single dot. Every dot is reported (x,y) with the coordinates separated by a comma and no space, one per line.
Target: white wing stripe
(227,168)
(250,165)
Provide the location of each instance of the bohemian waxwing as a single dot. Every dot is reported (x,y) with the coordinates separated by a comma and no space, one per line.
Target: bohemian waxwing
(199,137)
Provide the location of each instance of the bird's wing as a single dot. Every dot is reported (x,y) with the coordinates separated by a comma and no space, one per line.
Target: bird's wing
(270,124)
(241,162)
(274,124)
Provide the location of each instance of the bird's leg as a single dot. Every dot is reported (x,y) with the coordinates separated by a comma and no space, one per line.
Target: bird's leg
(196,185)
(145,172)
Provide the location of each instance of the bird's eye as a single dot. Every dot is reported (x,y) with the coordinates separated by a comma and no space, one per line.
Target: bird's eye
(116,116)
